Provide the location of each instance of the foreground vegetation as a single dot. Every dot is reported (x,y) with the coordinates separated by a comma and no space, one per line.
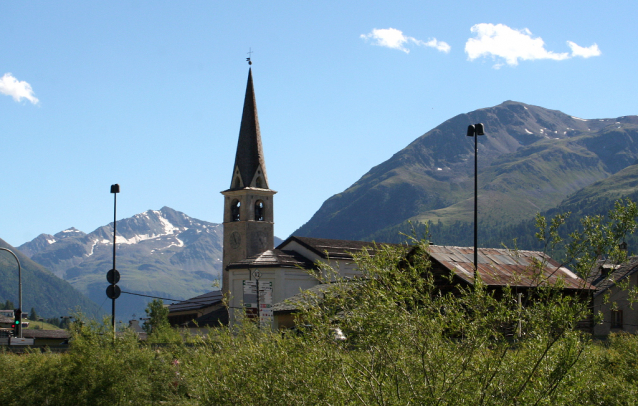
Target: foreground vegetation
(267,369)
(406,344)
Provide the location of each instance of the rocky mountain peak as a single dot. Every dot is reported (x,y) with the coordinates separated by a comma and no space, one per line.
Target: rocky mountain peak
(160,252)
(69,233)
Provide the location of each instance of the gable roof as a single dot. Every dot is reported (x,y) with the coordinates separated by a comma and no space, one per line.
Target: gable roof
(603,280)
(250,155)
(197,302)
(502,267)
(275,258)
(497,267)
(328,248)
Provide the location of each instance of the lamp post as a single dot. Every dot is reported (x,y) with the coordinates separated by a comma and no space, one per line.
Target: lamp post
(475,130)
(19,312)
(113,277)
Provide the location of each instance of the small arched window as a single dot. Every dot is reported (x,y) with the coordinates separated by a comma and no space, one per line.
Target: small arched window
(259,210)
(237,185)
(258,182)
(234,210)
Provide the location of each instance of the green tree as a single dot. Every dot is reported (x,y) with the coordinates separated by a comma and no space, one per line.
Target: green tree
(158,317)
(8,305)
(33,316)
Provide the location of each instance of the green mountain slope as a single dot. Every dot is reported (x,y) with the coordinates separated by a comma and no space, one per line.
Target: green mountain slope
(41,289)
(529,161)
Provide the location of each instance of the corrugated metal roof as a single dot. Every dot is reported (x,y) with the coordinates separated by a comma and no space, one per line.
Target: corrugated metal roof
(501,267)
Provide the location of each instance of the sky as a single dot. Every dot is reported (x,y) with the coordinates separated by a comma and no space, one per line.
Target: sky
(149,95)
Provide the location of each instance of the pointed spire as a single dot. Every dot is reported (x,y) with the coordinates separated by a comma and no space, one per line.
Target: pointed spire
(250,156)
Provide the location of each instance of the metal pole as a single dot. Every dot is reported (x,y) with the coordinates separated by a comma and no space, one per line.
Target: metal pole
(114,245)
(474,130)
(258,308)
(19,289)
(475,207)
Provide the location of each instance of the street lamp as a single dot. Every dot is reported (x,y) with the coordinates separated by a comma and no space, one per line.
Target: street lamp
(113,276)
(19,312)
(475,130)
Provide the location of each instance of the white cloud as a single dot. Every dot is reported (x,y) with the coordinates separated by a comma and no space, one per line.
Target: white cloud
(440,45)
(585,52)
(393,38)
(501,41)
(17,89)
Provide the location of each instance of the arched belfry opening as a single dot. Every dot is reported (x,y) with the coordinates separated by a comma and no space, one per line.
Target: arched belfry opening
(235,207)
(259,210)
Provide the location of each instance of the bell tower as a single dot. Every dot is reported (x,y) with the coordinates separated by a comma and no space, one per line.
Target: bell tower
(248,204)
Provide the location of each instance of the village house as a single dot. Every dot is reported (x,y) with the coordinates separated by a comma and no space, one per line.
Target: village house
(613,297)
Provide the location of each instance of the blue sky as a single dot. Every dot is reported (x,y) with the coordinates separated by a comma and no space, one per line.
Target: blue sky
(149,94)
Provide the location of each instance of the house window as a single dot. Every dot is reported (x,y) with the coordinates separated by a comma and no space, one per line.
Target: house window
(234,210)
(616,319)
(259,210)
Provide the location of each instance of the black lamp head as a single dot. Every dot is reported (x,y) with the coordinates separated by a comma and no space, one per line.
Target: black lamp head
(479,129)
(115,188)
(475,129)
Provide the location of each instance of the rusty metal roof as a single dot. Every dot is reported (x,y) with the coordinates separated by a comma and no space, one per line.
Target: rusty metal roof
(501,267)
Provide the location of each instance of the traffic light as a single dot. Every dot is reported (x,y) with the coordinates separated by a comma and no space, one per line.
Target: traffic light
(17,323)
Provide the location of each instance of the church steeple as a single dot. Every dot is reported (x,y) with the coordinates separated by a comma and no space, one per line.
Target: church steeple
(248,203)
(250,167)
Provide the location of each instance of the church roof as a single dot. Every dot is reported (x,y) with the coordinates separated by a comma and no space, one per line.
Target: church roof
(250,155)
(328,248)
(275,258)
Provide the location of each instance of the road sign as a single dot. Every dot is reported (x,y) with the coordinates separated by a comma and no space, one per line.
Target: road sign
(113,276)
(113,291)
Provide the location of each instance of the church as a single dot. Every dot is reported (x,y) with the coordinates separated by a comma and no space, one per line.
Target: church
(249,253)
(264,281)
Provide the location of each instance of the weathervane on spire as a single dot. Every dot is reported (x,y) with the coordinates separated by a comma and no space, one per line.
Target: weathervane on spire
(250,54)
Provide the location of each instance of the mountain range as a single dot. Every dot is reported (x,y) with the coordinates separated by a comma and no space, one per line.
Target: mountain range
(161,253)
(530,160)
(41,289)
